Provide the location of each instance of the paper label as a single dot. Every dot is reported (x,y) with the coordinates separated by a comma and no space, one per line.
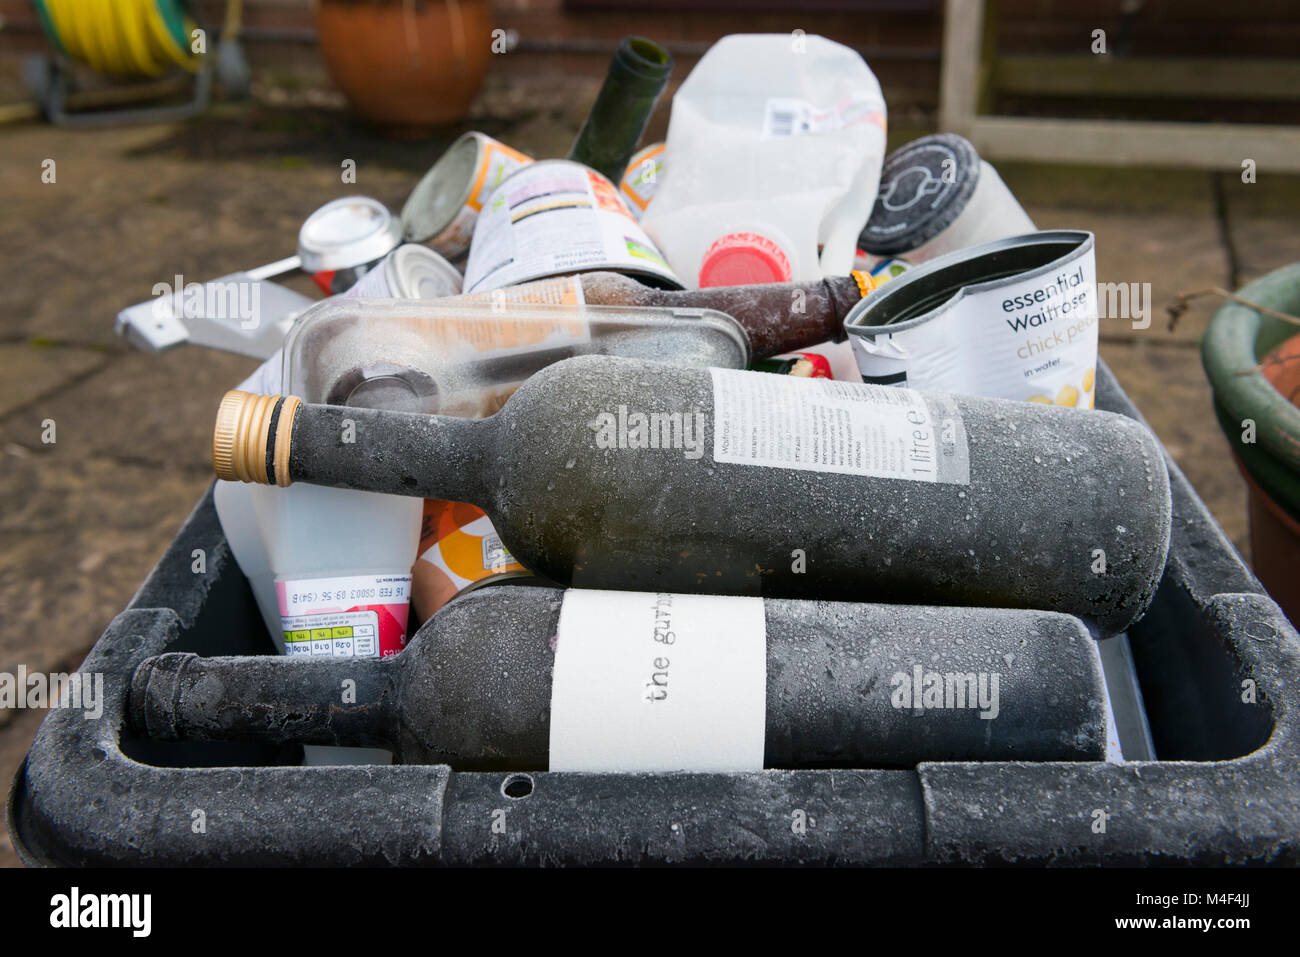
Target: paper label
(560,291)
(362,616)
(458,548)
(498,162)
(1032,340)
(788,116)
(459,541)
(820,425)
(373,285)
(641,180)
(658,682)
(557,217)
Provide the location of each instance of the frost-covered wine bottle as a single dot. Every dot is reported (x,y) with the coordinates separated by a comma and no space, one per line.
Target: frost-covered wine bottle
(523,678)
(603,472)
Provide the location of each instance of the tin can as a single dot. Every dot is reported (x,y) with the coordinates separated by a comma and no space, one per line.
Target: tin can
(342,240)
(641,181)
(1015,319)
(556,217)
(443,207)
(410,271)
(346,233)
(459,551)
(937,196)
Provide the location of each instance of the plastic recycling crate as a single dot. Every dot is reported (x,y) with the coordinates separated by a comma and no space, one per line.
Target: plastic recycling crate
(1217,663)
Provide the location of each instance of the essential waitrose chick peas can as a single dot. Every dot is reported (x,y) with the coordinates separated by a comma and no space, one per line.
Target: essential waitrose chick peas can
(1014,319)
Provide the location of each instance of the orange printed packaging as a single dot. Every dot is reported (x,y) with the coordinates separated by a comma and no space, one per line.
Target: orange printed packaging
(459,550)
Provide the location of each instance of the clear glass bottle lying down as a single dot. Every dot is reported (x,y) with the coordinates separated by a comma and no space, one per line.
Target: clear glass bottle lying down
(464,356)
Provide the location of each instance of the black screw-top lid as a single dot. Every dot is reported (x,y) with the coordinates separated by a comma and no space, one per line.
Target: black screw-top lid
(917,201)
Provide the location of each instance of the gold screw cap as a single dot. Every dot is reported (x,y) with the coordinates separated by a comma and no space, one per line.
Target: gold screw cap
(244,434)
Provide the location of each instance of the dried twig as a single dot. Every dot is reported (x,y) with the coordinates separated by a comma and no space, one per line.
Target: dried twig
(1183,303)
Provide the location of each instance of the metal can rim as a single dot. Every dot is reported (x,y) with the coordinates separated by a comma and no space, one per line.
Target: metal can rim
(896,295)
(321,257)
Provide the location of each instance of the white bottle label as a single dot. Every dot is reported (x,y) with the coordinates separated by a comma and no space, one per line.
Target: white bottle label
(658,682)
(820,425)
(787,116)
(362,616)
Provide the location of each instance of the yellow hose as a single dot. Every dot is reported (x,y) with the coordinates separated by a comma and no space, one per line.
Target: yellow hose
(119,37)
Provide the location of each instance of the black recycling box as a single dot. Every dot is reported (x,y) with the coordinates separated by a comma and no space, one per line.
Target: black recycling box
(1217,663)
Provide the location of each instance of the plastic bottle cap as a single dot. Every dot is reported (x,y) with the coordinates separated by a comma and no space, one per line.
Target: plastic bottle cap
(924,186)
(743,259)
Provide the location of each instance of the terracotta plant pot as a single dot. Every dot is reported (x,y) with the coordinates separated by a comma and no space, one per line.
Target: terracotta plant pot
(406,65)
(1274,528)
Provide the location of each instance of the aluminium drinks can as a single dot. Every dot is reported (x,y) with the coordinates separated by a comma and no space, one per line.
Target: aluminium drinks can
(1014,319)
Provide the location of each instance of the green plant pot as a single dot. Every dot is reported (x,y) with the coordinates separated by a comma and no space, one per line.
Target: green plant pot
(1237,340)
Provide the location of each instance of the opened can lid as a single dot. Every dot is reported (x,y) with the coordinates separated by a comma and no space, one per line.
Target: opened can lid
(347,232)
(924,186)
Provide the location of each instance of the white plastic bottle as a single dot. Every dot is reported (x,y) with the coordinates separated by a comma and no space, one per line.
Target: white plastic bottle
(331,572)
(776,144)
(234,503)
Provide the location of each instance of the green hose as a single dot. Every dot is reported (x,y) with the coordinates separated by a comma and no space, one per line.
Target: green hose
(120,37)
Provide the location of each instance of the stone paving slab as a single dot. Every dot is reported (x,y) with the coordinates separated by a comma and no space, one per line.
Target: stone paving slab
(79,539)
(1169,385)
(141,408)
(47,368)
(1156,257)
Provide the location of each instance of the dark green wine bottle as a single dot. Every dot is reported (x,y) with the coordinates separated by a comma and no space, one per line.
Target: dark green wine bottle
(481,686)
(612,130)
(603,472)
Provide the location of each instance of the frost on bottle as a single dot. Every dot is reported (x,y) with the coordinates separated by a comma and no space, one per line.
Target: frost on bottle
(615,473)
(331,572)
(529,678)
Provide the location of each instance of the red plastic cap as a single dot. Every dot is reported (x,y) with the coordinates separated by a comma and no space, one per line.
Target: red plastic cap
(743,259)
